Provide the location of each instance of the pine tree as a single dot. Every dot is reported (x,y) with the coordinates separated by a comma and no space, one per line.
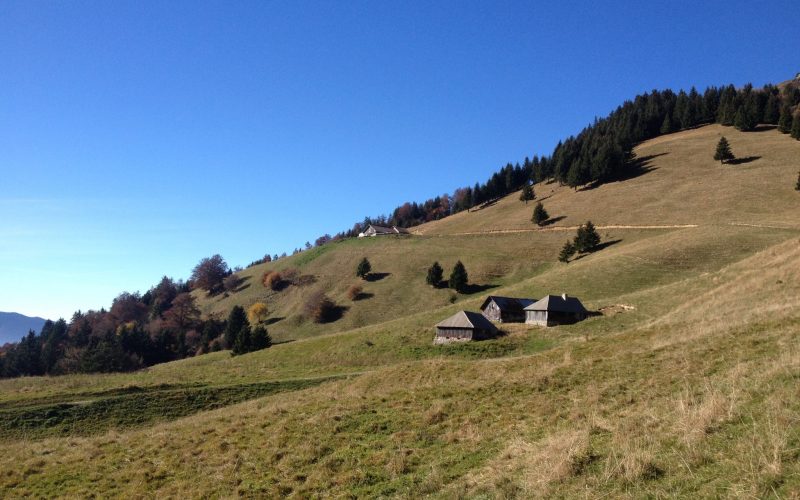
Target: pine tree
(260,338)
(666,125)
(796,127)
(540,215)
(723,152)
(527,193)
(587,238)
(567,251)
(785,120)
(772,109)
(237,321)
(745,119)
(243,343)
(363,269)
(458,278)
(435,275)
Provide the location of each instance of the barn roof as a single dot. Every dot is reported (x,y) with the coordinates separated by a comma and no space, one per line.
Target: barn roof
(507,303)
(467,319)
(558,303)
(381,229)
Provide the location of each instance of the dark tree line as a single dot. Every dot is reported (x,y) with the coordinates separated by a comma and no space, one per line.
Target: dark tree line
(603,151)
(139,330)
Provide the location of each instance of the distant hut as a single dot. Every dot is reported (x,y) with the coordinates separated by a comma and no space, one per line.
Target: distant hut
(464,326)
(505,309)
(373,230)
(555,310)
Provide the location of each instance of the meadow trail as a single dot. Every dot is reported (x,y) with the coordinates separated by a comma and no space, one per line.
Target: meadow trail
(572,228)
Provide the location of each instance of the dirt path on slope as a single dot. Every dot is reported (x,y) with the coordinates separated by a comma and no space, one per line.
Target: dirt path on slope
(570,228)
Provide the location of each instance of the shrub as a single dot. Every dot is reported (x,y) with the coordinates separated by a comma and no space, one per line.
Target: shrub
(272,280)
(231,283)
(354,292)
(257,313)
(363,269)
(320,308)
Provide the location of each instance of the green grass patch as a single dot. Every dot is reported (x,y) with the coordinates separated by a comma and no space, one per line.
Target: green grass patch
(87,414)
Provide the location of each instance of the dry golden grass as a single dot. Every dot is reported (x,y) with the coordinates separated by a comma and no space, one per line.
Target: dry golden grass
(691,393)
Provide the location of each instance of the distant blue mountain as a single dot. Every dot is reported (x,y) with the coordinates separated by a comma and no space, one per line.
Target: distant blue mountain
(14,326)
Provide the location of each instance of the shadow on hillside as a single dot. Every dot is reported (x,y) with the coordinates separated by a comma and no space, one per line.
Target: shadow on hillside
(287,341)
(485,204)
(473,288)
(601,246)
(363,296)
(740,161)
(553,220)
(376,276)
(335,314)
(272,321)
(764,128)
(636,167)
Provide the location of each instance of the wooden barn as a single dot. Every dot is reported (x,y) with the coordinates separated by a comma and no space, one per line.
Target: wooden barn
(464,326)
(505,309)
(555,310)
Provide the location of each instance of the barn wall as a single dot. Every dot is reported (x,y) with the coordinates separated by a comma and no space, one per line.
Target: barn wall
(445,335)
(492,312)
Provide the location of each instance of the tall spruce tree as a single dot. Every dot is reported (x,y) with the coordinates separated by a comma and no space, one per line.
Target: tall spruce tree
(540,215)
(785,120)
(666,125)
(723,152)
(527,193)
(244,342)
(796,126)
(586,238)
(458,278)
(237,321)
(435,275)
(260,338)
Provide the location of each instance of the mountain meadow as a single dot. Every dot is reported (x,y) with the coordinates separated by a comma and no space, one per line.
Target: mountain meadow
(682,382)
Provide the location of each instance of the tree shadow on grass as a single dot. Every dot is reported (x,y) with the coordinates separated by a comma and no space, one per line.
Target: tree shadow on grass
(746,159)
(272,321)
(473,288)
(552,220)
(376,276)
(599,247)
(335,314)
(363,296)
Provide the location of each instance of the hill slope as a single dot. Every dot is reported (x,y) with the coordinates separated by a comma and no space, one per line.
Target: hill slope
(14,326)
(688,390)
(680,185)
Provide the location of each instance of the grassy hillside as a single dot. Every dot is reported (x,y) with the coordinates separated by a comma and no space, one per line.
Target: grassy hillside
(680,185)
(686,385)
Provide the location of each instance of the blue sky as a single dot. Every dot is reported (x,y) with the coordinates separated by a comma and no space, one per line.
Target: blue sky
(138,137)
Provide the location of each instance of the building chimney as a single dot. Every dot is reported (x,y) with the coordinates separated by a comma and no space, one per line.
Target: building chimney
(564,296)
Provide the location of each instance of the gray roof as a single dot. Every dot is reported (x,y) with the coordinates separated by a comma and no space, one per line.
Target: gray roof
(558,303)
(508,303)
(380,229)
(467,319)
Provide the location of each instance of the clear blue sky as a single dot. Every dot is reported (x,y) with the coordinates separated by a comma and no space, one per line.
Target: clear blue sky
(138,137)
